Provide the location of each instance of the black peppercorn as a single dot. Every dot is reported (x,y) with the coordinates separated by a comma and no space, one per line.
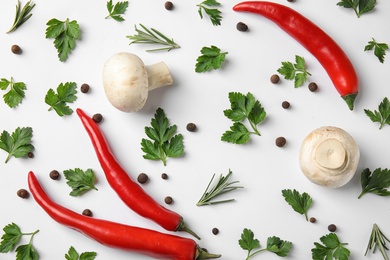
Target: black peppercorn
(242,27)
(280,141)
(142,178)
(332,228)
(16,49)
(164,176)
(286,104)
(290,1)
(54,175)
(168,5)
(275,79)
(87,212)
(191,127)
(23,193)
(30,155)
(97,118)
(84,88)
(168,200)
(312,220)
(215,231)
(313,87)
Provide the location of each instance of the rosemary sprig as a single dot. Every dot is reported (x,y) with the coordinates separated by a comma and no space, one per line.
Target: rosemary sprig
(152,36)
(377,239)
(222,186)
(22,15)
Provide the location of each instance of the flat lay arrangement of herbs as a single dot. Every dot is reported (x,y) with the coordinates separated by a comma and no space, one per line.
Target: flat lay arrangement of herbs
(359,6)
(16,91)
(66,93)
(80,181)
(210,8)
(331,248)
(295,71)
(18,144)
(379,48)
(116,11)
(301,203)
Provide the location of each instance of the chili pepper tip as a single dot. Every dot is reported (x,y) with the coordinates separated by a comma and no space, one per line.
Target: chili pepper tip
(350,99)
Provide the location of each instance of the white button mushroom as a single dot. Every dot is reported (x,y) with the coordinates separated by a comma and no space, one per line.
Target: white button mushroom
(329,157)
(127,80)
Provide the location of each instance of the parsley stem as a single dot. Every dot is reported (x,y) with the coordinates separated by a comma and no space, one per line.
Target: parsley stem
(255,130)
(255,253)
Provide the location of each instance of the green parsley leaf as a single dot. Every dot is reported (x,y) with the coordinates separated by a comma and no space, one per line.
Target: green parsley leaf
(116,11)
(65,34)
(164,142)
(211,58)
(213,13)
(66,93)
(376,182)
(331,249)
(359,6)
(243,107)
(296,71)
(22,15)
(382,115)
(73,255)
(80,181)
(248,241)
(26,252)
(278,246)
(379,49)
(15,94)
(18,144)
(299,202)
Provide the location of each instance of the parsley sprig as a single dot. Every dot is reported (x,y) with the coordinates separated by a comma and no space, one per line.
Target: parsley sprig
(66,93)
(22,15)
(11,237)
(221,187)
(359,6)
(18,144)
(116,11)
(379,48)
(382,115)
(301,203)
(331,248)
(74,255)
(15,94)
(65,34)
(296,71)
(376,182)
(275,245)
(80,181)
(377,240)
(164,143)
(212,58)
(243,107)
(152,36)
(214,13)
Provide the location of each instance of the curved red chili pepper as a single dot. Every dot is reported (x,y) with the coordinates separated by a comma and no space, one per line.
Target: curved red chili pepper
(132,194)
(315,40)
(116,235)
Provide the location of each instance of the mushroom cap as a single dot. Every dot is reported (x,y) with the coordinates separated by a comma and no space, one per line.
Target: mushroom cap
(329,157)
(125,81)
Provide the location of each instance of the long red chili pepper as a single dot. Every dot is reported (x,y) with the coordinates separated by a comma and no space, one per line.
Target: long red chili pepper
(132,194)
(315,40)
(116,235)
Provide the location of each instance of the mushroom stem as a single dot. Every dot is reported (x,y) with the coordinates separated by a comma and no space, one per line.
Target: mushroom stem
(158,76)
(331,154)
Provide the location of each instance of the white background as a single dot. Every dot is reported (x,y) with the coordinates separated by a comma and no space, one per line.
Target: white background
(262,168)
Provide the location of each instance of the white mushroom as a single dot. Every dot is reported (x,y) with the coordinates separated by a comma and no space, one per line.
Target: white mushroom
(329,156)
(127,80)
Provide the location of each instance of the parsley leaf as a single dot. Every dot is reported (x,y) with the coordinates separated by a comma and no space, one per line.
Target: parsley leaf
(164,142)
(379,49)
(116,11)
(296,71)
(299,202)
(26,252)
(331,248)
(359,6)
(243,107)
(376,182)
(65,33)
(15,94)
(73,255)
(382,115)
(211,58)
(66,93)
(248,241)
(213,13)
(80,181)
(18,144)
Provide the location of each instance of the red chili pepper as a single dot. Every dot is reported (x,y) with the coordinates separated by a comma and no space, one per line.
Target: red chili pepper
(132,194)
(116,235)
(315,40)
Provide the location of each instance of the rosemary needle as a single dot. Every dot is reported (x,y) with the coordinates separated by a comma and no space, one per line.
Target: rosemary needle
(222,186)
(22,15)
(152,36)
(378,239)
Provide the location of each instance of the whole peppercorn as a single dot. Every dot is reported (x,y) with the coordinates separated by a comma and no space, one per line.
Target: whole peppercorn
(168,5)
(30,155)
(16,49)
(242,27)
(85,88)
(275,79)
(332,228)
(280,141)
(215,231)
(290,1)
(23,193)
(191,127)
(87,212)
(164,176)
(286,104)
(54,175)
(312,220)
(168,200)
(142,178)
(313,87)
(97,118)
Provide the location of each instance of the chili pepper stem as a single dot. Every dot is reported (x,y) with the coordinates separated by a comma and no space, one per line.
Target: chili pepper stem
(202,254)
(350,99)
(182,227)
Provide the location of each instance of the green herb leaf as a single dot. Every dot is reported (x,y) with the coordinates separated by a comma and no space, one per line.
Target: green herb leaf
(73,255)
(214,14)
(359,6)
(379,49)
(65,34)
(22,15)
(299,202)
(376,182)
(18,144)
(221,187)
(278,246)
(331,249)
(80,181)
(248,241)
(116,11)
(164,142)
(296,71)
(11,237)
(243,107)
(377,240)
(15,94)
(26,252)
(66,93)
(382,115)
(211,58)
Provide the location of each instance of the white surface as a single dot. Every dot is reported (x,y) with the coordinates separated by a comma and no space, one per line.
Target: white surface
(261,167)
